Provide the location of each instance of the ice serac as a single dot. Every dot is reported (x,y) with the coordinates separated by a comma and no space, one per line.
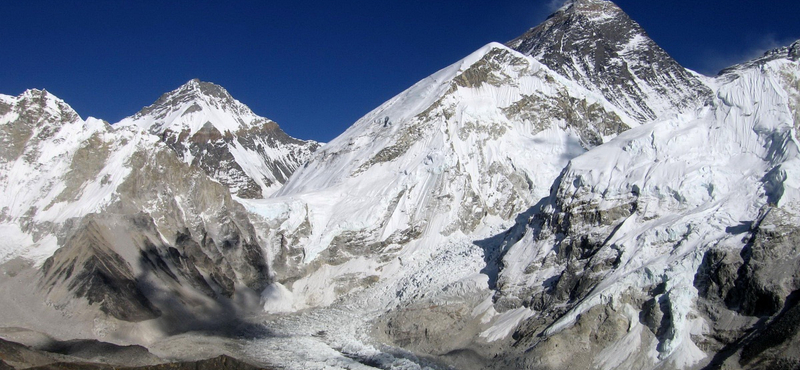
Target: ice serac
(208,128)
(110,226)
(596,44)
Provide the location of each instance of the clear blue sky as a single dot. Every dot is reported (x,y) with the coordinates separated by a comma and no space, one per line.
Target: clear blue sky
(315,66)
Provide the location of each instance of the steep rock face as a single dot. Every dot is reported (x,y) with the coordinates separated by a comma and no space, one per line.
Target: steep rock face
(594,43)
(115,219)
(209,129)
(89,267)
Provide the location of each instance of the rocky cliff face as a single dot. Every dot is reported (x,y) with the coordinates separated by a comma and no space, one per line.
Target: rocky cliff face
(211,130)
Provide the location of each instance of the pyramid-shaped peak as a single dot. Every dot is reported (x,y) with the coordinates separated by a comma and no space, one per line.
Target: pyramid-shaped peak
(39,96)
(589,5)
(596,10)
(191,97)
(203,89)
(596,44)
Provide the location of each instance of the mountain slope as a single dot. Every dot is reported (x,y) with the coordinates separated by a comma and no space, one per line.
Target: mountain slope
(209,129)
(626,251)
(459,153)
(594,43)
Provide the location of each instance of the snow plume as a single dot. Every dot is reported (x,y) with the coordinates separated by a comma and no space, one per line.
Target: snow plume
(553,5)
(752,48)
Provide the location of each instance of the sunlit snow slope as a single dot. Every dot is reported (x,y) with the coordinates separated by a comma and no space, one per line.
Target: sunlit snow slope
(466,149)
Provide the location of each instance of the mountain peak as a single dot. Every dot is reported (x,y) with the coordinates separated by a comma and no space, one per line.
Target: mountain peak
(196,90)
(208,128)
(596,44)
(191,106)
(590,6)
(206,89)
(40,105)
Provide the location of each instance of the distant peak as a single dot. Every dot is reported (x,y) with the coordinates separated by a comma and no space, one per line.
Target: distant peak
(587,6)
(35,93)
(191,93)
(192,105)
(41,97)
(597,44)
(581,23)
(585,3)
(593,10)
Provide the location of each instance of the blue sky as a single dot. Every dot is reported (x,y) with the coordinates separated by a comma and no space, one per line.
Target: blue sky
(317,66)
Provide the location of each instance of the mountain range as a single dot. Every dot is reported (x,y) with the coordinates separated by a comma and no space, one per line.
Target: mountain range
(574,198)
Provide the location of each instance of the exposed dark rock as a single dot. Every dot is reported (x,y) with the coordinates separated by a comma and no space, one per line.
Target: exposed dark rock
(596,44)
(88,266)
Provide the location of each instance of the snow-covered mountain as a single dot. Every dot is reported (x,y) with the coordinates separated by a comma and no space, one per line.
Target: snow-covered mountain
(572,199)
(109,226)
(459,154)
(210,129)
(513,203)
(670,242)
